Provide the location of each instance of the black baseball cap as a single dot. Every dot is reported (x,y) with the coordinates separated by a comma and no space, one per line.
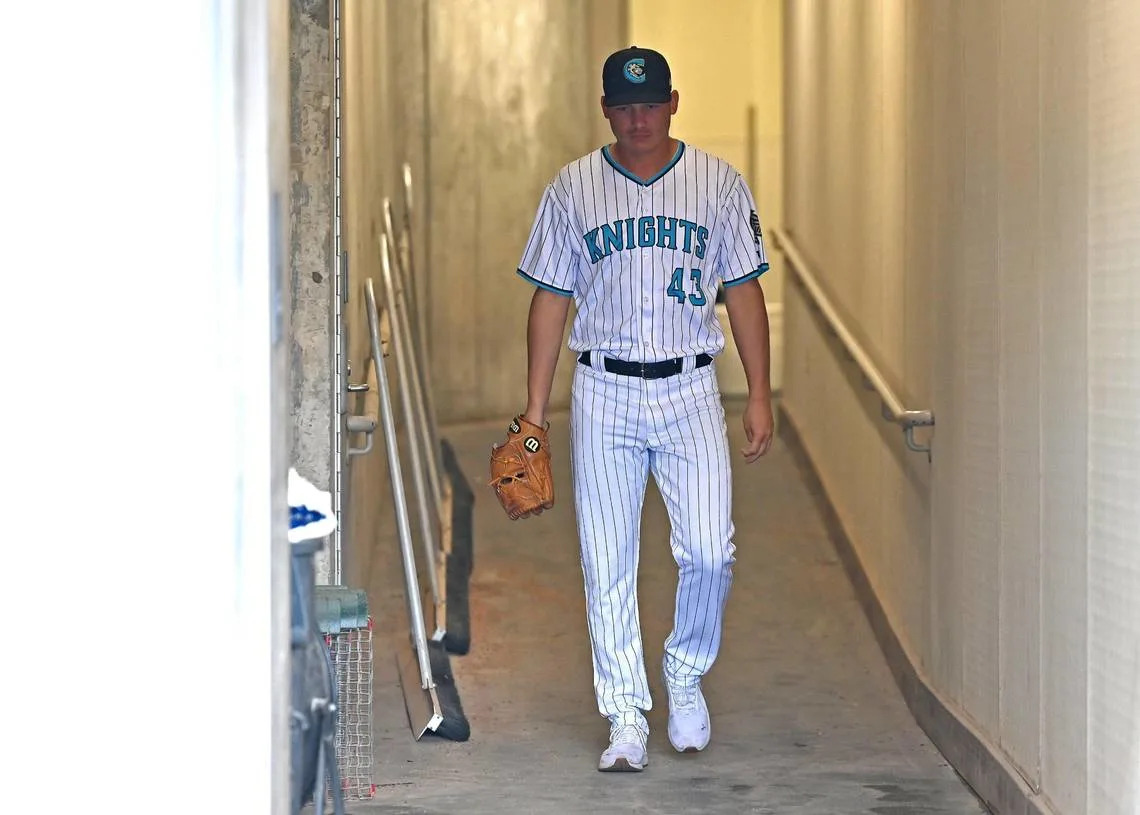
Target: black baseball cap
(634,75)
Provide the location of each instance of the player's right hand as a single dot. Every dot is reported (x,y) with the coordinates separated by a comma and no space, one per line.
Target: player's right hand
(758,424)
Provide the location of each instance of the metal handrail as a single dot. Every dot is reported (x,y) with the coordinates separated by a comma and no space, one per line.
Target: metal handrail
(403,524)
(892,406)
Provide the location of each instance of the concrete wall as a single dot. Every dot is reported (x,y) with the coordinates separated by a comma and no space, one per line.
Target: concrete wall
(383,126)
(311,261)
(512,89)
(963,179)
(458,90)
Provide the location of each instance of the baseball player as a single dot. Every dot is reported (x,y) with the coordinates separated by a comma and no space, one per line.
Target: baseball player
(640,234)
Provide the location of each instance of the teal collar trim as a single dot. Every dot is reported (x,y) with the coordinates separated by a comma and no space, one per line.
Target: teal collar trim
(644,182)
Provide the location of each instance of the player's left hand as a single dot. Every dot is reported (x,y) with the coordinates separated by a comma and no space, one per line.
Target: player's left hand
(757,428)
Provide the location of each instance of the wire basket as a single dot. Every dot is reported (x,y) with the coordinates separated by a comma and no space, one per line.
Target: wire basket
(347,628)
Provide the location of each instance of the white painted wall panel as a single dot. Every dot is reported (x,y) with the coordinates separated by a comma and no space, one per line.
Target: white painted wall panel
(930,312)
(860,448)
(974,402)
(903,344)
(998,152)
(1064,403)
(1114,407)
(1019,362)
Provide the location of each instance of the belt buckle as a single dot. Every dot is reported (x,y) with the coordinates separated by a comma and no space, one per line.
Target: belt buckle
(643,370)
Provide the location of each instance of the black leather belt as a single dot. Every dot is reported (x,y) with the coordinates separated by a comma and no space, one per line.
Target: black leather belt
(646,370)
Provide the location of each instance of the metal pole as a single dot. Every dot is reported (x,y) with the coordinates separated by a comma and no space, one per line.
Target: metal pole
(406,386)
(411,579)
(425,362)
(340,286)
(407,178)
(426,432)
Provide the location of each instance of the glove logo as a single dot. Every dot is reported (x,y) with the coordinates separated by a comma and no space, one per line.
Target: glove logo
(635,70)
(520,470)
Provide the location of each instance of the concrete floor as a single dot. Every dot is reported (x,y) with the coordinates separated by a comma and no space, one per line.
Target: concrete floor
(805,715)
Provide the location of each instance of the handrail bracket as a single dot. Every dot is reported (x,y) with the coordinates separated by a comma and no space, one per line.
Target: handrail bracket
(872,377)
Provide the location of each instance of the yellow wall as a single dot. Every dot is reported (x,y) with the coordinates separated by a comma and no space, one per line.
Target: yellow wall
(726,59)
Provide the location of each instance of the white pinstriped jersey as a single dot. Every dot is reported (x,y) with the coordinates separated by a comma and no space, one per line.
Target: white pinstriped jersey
(643,259)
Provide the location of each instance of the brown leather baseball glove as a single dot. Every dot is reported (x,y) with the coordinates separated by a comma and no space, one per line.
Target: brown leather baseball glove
(520,470)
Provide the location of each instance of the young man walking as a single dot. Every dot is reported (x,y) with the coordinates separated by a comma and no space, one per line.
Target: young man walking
(641,234)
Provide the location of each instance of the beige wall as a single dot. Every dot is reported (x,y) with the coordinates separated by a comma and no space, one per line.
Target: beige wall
(727,68)
(964,178)
(368,131)
(1113,406)
(475,97)
(477,81)
(512,96)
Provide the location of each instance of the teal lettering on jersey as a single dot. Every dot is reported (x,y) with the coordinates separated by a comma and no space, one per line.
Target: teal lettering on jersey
(645,231)
(658,231)
(611,238)
(591,239)
(688,227)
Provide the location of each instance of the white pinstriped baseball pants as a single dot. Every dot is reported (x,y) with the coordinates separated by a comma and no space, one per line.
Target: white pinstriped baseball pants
(621,429)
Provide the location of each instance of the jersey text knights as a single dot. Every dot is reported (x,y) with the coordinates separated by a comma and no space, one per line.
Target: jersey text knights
(651,230)
(644,258)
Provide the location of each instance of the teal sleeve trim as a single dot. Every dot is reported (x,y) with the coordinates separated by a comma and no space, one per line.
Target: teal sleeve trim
(750,276)
(546,286)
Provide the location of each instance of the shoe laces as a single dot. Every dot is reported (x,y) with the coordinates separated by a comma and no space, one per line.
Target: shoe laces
(684,697)
(626,734)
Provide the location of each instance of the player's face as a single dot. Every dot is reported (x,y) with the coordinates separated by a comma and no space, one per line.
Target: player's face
(641,128)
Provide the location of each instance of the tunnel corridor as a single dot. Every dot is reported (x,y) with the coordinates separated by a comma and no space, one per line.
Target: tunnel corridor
(806,716)
(935,618)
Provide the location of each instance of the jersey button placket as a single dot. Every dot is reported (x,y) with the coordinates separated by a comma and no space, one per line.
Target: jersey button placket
(648,279)
(645,196)
(646,305)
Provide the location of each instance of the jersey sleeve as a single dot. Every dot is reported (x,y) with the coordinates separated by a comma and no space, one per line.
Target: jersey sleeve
(742,256)
(549,260)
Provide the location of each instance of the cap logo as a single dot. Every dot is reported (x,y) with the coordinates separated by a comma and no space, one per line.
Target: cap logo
(634,70)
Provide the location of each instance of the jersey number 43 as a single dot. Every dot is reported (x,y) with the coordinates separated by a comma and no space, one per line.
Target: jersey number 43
(676,288)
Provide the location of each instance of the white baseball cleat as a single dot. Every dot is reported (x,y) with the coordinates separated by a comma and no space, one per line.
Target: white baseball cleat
(626,753)
(689,728)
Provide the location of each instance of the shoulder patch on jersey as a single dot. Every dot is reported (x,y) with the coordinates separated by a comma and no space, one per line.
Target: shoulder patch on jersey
(635,70)
(754,219)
